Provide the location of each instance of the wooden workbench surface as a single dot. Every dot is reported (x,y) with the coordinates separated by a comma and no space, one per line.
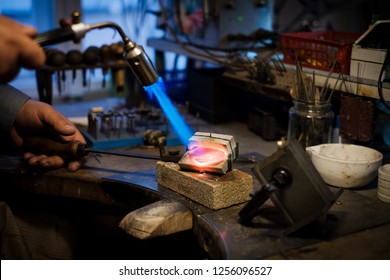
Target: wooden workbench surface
(357,227)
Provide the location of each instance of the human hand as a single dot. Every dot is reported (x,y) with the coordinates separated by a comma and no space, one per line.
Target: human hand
(36,118)
(17,49)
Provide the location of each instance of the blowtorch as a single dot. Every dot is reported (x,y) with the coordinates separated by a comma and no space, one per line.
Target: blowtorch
(135,56)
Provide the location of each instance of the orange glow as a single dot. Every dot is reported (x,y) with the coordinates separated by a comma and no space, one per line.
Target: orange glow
(207,155)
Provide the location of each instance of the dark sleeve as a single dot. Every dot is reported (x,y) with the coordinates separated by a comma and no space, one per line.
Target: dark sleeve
(11,100)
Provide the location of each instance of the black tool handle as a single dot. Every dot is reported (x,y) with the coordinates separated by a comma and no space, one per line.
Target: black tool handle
(54,57)
(55,36)
(46,146)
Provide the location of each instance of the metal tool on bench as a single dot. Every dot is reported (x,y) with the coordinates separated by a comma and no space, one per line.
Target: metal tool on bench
(76,149)
(135,56)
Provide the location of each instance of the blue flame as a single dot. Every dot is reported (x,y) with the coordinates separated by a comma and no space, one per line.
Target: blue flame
(181,128)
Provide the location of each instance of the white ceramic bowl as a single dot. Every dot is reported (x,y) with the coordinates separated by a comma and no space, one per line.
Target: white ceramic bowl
(345,165)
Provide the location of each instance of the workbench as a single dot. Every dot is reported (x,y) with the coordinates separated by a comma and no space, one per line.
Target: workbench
(100,194)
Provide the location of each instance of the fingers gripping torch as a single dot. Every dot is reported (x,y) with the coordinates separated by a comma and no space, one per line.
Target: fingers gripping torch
(135,56)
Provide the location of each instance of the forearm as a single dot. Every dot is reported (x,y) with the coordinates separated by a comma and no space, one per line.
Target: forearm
(11,100)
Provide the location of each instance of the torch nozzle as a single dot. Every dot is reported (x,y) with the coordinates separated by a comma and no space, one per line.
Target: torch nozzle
(135,56)
(140,64)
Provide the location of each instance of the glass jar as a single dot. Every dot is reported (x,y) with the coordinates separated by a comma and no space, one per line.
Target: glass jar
(310,123)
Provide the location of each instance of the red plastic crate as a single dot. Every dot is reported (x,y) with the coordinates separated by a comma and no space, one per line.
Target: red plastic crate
(318,50)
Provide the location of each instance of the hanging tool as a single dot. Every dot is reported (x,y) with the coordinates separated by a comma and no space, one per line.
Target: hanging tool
(120,73)
(91,57)
(56,58)
(75,149)
(105,58)
(74,58)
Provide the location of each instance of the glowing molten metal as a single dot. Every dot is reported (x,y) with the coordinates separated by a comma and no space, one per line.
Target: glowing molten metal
(205,156)
(209,152)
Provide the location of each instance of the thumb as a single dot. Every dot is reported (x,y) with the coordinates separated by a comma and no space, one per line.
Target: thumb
(64,128)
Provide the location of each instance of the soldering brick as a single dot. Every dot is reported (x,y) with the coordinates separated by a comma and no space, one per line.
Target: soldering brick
(211,190)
